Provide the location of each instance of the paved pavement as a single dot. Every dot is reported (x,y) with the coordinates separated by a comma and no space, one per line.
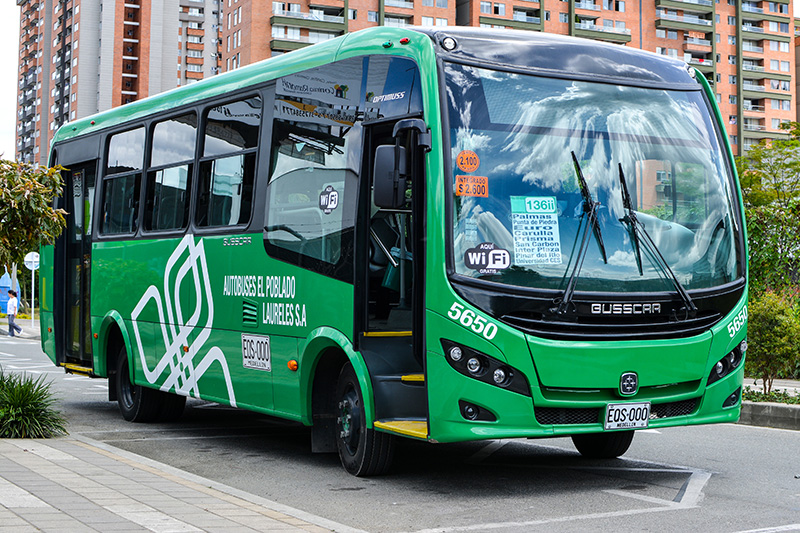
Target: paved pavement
(78,484)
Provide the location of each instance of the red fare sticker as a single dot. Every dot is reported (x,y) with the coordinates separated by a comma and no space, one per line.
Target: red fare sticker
(472,186)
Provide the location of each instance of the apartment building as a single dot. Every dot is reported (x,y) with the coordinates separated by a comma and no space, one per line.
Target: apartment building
(743,47)
(78,57)
(257,29)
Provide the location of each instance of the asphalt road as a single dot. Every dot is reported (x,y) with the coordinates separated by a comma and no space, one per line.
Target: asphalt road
(726,478)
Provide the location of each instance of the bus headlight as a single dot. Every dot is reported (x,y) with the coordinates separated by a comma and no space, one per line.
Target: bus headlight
(478,365)
(728,364)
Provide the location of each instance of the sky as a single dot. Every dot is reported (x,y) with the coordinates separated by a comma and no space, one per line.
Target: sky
(9,48)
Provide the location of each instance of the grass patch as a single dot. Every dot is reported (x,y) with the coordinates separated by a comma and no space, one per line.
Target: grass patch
(777,397)
(27,408)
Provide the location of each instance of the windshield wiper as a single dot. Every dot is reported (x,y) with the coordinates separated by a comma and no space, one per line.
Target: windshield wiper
(590,208)
(637,229)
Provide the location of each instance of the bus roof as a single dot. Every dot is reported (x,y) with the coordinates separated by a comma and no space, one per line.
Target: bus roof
(542,52)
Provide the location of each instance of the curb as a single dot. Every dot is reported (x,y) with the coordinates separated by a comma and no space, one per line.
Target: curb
(769,414)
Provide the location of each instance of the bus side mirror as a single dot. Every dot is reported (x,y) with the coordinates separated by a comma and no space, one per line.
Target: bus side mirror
(389,176)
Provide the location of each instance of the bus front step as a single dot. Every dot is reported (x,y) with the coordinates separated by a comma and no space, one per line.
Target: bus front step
(70,368)
(409,428)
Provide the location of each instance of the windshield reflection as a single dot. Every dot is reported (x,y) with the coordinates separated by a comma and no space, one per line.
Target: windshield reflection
(519,214)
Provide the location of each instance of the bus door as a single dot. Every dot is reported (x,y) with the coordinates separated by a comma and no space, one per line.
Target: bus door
(79,186)
(392,275)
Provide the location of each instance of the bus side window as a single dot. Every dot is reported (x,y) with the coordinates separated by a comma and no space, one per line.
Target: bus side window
(313,183)
(227,169)
(123,175)
(167,198)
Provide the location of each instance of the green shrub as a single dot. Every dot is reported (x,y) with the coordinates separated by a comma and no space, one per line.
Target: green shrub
(26,408)
(777,397)
(773,330)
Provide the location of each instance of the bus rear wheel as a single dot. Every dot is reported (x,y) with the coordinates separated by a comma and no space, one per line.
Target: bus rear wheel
(136,403)
(603,445)
(363,452)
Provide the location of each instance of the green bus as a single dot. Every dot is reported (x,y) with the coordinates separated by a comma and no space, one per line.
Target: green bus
(443,234)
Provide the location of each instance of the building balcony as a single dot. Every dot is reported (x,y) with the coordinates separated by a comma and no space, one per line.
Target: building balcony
(316,21)
(693,44)
(591,6)
(751,108)
(753,49)
(399,3)
(287,44)
(752,28)
(682,22)
(753,127)
(693,6)
(753,87)
(705,65)
(522,17)
(515,24)
(602,33)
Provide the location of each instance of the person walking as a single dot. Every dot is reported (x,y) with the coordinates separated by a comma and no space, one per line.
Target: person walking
(13,308)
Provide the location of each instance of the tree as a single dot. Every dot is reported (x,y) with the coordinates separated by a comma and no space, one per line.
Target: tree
(769,174)
(27,217)
(772,331)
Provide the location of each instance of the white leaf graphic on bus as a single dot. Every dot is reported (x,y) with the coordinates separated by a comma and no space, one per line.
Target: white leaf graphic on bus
(186,265)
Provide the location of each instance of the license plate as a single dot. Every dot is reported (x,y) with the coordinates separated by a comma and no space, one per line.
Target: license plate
(255,352)
(627,415)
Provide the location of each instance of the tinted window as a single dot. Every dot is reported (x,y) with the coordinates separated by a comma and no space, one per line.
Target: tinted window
(167,202)
(232,127)
(174,140)
(120,204)
(393,88)
(225,190)
(125,151)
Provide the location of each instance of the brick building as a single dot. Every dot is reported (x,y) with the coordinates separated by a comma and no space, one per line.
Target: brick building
(744,48)
(80,57)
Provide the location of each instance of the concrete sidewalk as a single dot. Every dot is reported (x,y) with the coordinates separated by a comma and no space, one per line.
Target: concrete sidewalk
(77,484)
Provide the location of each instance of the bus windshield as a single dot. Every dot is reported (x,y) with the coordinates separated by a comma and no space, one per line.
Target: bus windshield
(518,144)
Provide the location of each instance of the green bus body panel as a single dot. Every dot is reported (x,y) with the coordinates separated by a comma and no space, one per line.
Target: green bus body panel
(189,296)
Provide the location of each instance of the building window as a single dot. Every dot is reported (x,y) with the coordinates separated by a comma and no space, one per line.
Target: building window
(732,40)
(351,14)
(732,99)
(441,21)
(441,3)
(731,60)
(732,80)
(486,7)
(427,21)
(372,16)
(661,34)
(499,9)
(732,21)
(564,18)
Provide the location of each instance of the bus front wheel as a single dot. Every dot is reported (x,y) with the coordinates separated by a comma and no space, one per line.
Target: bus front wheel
(363,452)
(136,403)
(603,445)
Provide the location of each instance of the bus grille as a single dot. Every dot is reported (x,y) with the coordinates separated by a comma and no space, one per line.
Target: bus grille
(556,416)
(549,416)
(668,410)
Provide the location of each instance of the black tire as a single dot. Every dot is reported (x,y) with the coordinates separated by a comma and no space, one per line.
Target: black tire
(603,445)
(136,403)
(363,452)
(172,407)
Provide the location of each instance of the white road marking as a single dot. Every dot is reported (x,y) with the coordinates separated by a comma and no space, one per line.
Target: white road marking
(789,527)
(688,497)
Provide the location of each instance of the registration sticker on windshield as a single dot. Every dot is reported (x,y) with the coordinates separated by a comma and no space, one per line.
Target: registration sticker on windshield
(472,186)
(534,222)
